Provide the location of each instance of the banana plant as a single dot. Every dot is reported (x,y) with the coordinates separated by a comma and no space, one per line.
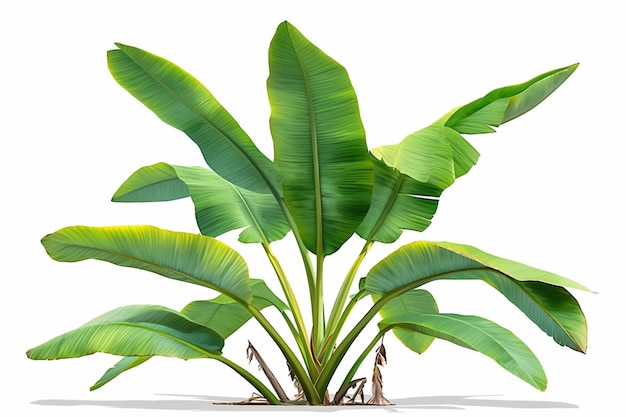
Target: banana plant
(322,187)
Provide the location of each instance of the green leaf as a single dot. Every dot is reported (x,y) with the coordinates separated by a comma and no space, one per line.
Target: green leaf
(398,202)
(481,335)
(220,206)
(139,330)
(425,156)
(437,155)
(121,366)
(538,293)
(183,102)
(225,316)
(182,256)
(319,141)
(506,103)
(410,304)
(222,315)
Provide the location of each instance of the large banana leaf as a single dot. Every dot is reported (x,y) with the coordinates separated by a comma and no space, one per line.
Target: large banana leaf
(410,304)
(505,103)
(220,206)
(182,256)
(437,155)
(539,294)
(183,102)
(478,334)
(319,141)
(139,330)
(398,203)
(222,315)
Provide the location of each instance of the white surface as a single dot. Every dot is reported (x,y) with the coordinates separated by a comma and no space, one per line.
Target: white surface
(547,190)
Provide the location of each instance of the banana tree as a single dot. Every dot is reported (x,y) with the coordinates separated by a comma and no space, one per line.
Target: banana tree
(323,186)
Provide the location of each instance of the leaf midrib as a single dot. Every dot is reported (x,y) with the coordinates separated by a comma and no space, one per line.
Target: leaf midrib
(388,206)
(314,152)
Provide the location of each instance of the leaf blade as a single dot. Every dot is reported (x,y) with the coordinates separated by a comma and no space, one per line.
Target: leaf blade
(483,336)
(139,330)
(222,315)
(319,141)
(398,203)
(506,103)
(182,256)
(547,304)
(219,205)
(183,102)
(409,304)
(116,370)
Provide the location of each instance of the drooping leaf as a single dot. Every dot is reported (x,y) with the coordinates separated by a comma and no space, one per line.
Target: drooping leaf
(116,370)
(378,398)
(253,354)
(319,141)
(220,206)
(481,335)
(182,256)
(398,203)
(183,102)
(506,103)
(410,303)
(139,330)
(221,314)
(538,293)
(512,268)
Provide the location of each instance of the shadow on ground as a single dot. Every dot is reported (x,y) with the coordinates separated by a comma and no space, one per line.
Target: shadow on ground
(208,403)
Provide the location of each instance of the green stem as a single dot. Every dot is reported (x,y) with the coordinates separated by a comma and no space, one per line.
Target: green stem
(329,368)
(339,353)
(332,337)
(319,322)
(305,381)
(360,359)
(342,296)
(301,334)
(258,385)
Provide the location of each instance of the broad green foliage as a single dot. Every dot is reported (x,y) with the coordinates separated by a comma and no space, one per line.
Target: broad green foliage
(135,330)
(220,205)
(323,187)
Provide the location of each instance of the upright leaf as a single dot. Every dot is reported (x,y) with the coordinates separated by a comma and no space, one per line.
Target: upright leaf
(437,155)
(539,294)
(319,141)
(220,206)
(139,330)
(478,334)
(183,102)
(506,103)
(182,256)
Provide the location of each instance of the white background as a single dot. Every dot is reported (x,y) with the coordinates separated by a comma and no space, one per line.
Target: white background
(547,191)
